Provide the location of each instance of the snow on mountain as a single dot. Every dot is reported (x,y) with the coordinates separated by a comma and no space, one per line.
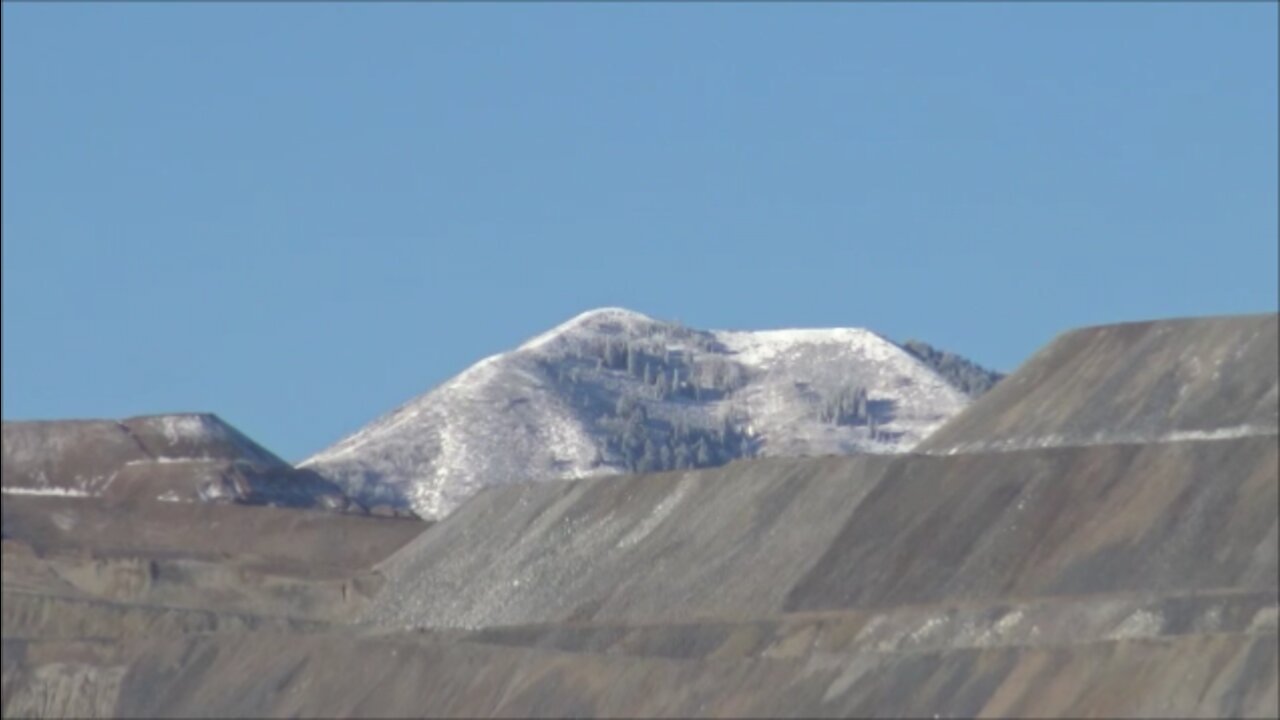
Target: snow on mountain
(613,391)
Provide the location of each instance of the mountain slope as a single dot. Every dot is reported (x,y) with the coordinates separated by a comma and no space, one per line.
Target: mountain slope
(966,375)
(613,391)
(183,457)
(1161,381)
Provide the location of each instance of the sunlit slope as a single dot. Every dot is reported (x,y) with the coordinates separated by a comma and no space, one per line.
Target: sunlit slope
(1168,380)
(267,674)
(762,537)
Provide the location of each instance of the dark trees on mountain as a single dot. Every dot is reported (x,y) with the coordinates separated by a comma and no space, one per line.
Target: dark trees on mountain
(632,360)
(848,407)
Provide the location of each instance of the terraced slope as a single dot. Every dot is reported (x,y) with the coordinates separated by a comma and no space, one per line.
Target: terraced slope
(221,558)
(35,616)
(283,535)
(1042,622)
(725,542)
(333,674)
(1162,381)
(759,538)
(1075,566)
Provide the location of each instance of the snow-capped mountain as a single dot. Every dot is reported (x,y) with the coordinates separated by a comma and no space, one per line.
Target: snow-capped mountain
(613,391)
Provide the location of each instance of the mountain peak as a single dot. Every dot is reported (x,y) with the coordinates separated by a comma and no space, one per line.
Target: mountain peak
(611,312)
(612,390)
(605,319)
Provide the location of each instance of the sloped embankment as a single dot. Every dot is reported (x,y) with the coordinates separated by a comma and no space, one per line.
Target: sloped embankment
(222,558)
(283,535)
(759,538)
(1169,380)
(334,674)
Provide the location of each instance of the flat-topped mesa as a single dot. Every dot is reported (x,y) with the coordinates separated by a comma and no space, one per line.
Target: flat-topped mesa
(185,457)
(1161,381)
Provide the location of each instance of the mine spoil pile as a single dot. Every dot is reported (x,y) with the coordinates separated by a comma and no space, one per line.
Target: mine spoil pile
(1095,536)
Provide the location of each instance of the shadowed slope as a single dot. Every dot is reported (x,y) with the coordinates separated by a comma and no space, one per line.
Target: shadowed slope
(264,674)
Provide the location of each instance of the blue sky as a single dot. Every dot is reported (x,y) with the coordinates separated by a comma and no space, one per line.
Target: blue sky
(300,215)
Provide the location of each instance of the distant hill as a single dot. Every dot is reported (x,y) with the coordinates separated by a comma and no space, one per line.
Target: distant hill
(613,391)
(175,458)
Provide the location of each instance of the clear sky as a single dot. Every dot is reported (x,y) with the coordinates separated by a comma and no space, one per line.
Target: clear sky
(300,215)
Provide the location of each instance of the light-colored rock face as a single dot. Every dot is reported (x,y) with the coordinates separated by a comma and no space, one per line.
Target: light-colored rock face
(557,407)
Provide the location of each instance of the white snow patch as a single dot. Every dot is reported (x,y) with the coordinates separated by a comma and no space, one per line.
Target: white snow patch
(930,626)
(659,513)
(628,319)
(1265,620)
(50,491)
(1142,623)
(1055,440)
(177,428)
(170,460)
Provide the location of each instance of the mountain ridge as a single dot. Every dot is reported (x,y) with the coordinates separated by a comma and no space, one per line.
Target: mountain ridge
(612,390)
